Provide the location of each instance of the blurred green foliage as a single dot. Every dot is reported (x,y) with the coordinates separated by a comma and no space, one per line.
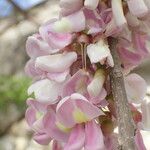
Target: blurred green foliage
(13,90)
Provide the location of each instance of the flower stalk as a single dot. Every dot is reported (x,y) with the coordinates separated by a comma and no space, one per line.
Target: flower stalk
(126,126)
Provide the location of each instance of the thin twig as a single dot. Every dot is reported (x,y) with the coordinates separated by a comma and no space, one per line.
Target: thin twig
(125,121)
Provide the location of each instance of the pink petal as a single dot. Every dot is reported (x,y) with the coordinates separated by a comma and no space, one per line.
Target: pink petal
(34,107)
(96,85)
(93,137)
(56,63)
(76,139)
(58,77)
(76,109)
(100,99)
(137,8)
(30,116)
(139,141)
(146,138)
(91,4)
(36,47)
(129,58)
(111,142)
(112,29)
(76,84)
(36,123)
(94,22)
(70,6)
(136,88)
(56,145)
(70,23)
(49,123)
(30,69)
(55,40)
(140,44)
(42,139)
(118,13)
(45,91)
(63,112)
(40,107)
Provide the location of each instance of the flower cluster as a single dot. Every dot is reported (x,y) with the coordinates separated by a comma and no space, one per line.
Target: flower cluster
(72,105)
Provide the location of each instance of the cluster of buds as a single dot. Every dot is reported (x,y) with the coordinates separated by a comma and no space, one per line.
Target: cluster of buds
(71,104)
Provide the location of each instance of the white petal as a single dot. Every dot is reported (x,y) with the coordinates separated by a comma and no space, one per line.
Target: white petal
(135,87)
(91,4)
(118,12)
(56,63)
(70,23)
(45,90)
(95,87)
(99,52)
(63,25)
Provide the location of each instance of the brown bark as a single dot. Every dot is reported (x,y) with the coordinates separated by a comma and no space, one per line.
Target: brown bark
(126,125)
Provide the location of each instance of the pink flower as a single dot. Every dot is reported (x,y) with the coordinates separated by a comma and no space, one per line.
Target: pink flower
(72,112)
(55,40)
(41,118)
(70,6)
(70,60)
(136,88)
(79,110)
(129,57)
(30,69)
(77,84)
(88,86)
(36,124)
(83,137)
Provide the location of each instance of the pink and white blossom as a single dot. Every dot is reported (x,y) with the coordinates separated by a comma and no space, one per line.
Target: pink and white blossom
(70,61)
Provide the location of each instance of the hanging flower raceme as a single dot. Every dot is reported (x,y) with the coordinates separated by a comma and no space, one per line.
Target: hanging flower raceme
(71,104)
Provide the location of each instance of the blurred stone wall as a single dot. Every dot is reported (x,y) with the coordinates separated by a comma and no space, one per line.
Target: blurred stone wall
(12,41)
(14,133)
